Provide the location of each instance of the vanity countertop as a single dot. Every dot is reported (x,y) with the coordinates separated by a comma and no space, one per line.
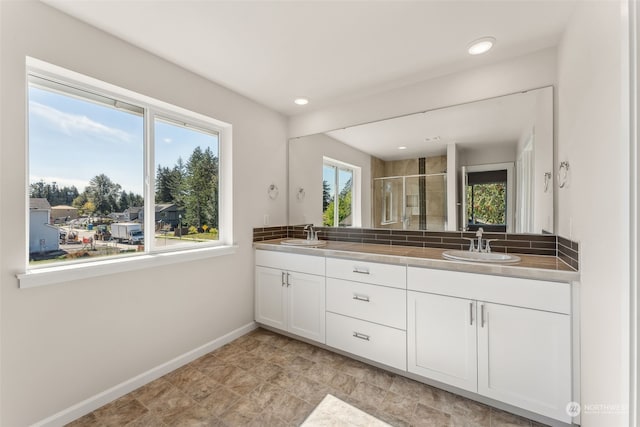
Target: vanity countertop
(530,267)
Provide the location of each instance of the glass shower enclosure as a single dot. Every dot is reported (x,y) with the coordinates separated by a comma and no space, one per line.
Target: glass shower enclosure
(412,202)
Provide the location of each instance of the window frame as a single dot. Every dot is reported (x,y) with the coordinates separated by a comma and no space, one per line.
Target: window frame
(356,193)
(152,108)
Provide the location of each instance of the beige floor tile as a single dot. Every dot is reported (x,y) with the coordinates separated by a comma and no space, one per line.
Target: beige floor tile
(378,377)
(266,370)
(150,392)
(429,417)
(505,419)
(221,401)
(291,409)
(184,377)
(469,413)
(343,382)
(267,379)
(241,412)
(321,373)
(369,394)
(399,406)
(89,420)
(201,389)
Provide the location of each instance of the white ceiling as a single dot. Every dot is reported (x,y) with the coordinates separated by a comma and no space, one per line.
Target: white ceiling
(498,122)
(328,51)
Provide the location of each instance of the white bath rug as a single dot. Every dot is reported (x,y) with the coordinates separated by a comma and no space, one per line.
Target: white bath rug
(333,412)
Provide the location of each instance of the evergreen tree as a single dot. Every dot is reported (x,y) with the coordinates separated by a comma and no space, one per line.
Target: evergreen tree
(201,195)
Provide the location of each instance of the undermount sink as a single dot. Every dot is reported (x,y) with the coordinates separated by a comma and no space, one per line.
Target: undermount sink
(304,242)
(494,257)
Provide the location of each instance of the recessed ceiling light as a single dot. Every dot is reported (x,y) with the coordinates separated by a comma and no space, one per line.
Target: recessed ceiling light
(481,45)
(402,147)
(301,101)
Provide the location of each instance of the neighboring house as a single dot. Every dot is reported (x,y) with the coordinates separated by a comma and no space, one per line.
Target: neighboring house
(168,213)
(43,237)
(118,216)
(134,213)
(62,213)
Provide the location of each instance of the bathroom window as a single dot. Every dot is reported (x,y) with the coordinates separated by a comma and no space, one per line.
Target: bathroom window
(113,175)
(340,194)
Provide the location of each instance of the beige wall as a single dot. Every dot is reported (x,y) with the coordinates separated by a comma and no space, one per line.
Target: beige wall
(63,343)
(594,207)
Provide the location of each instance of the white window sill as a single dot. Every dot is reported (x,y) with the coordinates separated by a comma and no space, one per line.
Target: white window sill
(66,273)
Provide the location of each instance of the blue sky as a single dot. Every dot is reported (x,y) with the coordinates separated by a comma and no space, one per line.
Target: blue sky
(71,141)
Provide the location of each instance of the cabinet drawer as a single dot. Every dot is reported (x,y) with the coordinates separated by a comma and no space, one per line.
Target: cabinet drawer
(292,262)
(368,272)
(369,340)
(537,294)
(378,304)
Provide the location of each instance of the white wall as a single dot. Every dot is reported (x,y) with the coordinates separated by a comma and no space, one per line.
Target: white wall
(527,72)
(594,208)
(305,171)
(63,343)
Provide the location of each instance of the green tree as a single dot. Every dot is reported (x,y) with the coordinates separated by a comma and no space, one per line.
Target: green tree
(326,195)
(486,203)
(201,188)
(103,193)
(344,207)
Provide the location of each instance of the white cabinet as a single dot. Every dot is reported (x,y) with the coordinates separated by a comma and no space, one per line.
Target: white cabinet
(290,299)
(375,342)
(442,339)
(486,344)
(524,358)
(367,310)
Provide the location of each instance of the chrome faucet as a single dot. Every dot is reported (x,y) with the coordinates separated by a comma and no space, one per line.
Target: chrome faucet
(311,233)
(479,236)
(483,244)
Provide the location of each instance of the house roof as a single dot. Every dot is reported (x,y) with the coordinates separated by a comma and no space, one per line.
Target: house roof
(164,206)
(134,209)
(37,203)
(63,207)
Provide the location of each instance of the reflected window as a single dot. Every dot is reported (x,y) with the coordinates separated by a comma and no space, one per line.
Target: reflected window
(337,193)
(486,194)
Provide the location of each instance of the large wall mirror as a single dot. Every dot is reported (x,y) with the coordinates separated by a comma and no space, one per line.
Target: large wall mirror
(482,164)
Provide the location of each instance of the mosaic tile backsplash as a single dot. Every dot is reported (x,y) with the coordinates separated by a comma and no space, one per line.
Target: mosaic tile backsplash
(531,244)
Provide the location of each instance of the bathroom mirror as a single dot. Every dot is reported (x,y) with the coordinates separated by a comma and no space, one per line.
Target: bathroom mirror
(487,163)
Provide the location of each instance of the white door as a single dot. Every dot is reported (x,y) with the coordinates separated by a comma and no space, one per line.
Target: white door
(441,339)
(306,305)
(270,297)
(524,358)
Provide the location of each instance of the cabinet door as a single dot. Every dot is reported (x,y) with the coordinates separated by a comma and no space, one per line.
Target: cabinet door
(441,339)
(306,306)
(271,297)
(524,358)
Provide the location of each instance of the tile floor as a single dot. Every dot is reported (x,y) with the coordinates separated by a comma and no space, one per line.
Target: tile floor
(267,379)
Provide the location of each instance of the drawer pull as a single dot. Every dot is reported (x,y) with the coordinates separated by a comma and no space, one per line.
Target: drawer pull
(361,298)
(282,278)
(361,336)
(361,270)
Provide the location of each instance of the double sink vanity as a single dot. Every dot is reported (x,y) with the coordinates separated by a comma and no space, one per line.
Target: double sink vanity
(497,333)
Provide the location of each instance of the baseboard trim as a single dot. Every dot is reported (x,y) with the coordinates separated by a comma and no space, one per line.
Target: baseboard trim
(88,405)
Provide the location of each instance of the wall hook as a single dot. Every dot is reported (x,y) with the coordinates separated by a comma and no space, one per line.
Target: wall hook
(563,174)
(273,191)
(300,194)
(547,178)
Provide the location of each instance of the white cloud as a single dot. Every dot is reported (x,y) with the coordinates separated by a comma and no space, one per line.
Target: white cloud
(75,123)
(168,140)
